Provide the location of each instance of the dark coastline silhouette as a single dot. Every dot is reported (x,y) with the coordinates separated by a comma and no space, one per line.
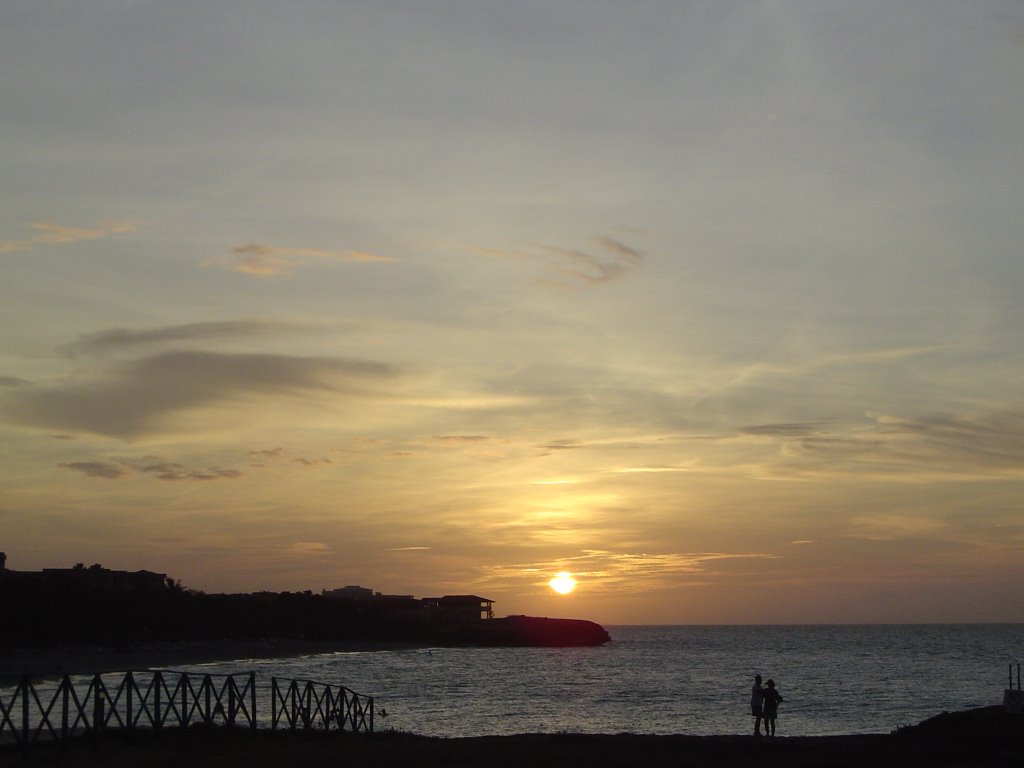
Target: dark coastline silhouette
(117,609)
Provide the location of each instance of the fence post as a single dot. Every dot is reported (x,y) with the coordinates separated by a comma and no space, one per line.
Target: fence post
(186,714)
(97,707)
(232,699)
(24,708)
(65,694)
(252,700)
(157,683)
(273,703)
(207,685)
(129,685)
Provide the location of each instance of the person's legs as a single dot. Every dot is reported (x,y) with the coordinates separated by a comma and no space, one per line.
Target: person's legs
(757,724)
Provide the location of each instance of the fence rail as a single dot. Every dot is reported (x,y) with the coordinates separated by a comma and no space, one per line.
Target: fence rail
(308,704)
(154,700)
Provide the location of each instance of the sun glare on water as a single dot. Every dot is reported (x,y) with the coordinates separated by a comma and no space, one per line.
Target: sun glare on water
(563,583)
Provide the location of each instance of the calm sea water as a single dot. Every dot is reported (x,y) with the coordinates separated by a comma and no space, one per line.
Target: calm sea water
(665,680)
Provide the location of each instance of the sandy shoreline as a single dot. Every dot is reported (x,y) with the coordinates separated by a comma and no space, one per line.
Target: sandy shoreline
(41,663)
(199,747)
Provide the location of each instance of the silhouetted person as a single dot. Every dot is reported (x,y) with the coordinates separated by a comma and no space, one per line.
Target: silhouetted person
(756,703)
(771,707)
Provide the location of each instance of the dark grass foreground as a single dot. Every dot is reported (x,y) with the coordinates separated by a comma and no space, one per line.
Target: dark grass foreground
(981,737)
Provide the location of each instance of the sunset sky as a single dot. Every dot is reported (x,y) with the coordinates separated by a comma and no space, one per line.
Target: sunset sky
(716,306)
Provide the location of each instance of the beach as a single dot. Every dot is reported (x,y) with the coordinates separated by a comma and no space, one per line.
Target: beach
(978,738)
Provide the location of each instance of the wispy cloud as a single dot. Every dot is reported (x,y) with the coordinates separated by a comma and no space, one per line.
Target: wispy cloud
(627,253)
(162,470)
(611,260)
(654,469)
(308,549)
(953,447)
(307,462)
(602,260)
(267,453)
(99,469)
(141,397)
(561,445)
(785,430)
(886,527)
(174,472)
(116,339)
(51,233)
(269,260)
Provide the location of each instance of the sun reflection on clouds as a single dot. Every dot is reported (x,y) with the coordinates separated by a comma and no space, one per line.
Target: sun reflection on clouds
(883,527)
(308,548)
(653,469)
(620,572)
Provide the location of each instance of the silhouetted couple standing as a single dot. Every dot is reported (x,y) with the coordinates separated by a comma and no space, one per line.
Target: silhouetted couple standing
(764,704)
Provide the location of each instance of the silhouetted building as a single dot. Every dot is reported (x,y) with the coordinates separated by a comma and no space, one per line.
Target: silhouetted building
(95,577)
(459,608)
(98,577)
(348,593)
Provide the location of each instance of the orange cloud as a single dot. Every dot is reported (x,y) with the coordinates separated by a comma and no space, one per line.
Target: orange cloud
(269,260)
(51,233)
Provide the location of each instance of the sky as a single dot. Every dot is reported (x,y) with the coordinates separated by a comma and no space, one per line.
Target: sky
(714,305)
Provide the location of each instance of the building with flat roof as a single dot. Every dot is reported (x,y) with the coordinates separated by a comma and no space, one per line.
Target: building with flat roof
(459,608)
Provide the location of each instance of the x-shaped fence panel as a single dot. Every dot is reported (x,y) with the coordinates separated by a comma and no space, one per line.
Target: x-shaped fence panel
(157,699)
(309,704)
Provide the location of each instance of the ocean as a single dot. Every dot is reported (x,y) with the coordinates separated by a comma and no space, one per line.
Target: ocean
(676,679)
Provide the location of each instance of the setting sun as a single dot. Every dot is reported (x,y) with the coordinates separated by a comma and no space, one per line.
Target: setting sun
(563,583)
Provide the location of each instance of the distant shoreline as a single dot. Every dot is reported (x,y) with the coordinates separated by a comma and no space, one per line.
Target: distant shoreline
(43,663)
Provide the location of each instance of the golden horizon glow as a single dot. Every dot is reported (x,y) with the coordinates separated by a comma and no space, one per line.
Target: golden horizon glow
(563,583)
(440,330)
